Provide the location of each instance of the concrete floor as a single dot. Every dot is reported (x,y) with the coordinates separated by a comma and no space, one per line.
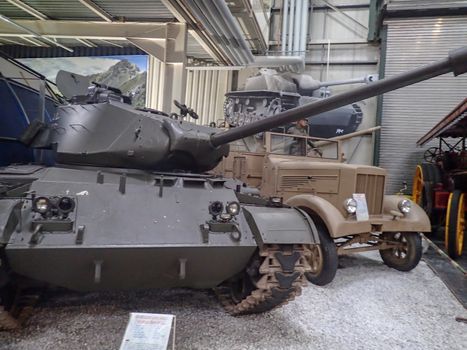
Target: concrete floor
(367,306)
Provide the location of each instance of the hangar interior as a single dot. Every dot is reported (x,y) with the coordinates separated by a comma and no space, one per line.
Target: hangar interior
(231,63)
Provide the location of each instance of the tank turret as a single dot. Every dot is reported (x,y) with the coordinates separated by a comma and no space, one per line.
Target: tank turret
(108,132)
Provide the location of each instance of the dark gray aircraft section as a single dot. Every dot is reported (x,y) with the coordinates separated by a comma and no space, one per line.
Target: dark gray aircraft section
(128,206)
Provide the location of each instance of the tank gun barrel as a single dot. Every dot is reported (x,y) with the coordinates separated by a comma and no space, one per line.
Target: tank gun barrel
(363,80)
(456,62)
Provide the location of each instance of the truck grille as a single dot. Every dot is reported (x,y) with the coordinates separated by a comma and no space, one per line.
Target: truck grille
(373,187)
(293,181)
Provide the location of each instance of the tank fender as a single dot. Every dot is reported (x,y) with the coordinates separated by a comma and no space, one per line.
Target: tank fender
(280,225)
(9,210)
(415,221)
(335,222)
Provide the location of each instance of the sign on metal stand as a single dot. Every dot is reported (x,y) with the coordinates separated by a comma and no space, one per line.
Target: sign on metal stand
(149,332)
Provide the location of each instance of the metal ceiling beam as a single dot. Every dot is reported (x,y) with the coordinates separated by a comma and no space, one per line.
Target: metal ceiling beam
(33,41)
(21,28)
(110,43)
(342,13)
(86,42)
(86,30)
(26,8)
(14,42)
(184,15)
(97,10)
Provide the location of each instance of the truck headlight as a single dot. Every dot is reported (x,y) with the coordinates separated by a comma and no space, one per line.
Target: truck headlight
(233,208)
(41,205)
(350,205)
(405,206)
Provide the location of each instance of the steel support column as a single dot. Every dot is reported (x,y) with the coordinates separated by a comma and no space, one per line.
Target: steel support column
(166,67)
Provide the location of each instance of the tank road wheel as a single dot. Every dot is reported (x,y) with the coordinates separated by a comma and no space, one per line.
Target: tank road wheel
(407,254)
(455,224)
(323,260)
(274,276)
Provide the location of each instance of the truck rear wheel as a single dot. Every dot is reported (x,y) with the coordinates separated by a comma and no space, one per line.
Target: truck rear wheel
(323,259)
(407,255)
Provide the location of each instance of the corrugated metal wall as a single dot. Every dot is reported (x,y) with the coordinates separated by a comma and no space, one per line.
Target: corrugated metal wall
(425,4)
(205,94)
(154,83)
(205,91)
(410,112)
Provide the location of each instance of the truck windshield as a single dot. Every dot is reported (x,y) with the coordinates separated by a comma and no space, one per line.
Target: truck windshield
(302,146)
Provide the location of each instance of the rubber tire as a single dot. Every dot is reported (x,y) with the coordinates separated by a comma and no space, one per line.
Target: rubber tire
(452,226)
(330,259)
(414,253)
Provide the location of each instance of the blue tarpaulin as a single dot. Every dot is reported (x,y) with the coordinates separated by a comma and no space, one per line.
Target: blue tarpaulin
(18,107)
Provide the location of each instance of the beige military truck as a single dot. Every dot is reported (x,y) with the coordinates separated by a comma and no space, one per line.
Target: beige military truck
(346,201)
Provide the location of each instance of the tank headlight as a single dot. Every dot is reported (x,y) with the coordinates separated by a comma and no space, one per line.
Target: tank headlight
(66,205)
(233,208)
(216,208)
(405,206)
(350,205)
(41,205)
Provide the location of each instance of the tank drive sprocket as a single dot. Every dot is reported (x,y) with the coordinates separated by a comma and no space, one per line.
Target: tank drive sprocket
(273,277)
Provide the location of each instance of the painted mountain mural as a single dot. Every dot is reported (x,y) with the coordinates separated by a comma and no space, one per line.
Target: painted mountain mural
(128,73)
(127,77)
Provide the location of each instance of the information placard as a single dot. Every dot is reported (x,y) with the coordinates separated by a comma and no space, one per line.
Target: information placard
(362,207)
(149,332)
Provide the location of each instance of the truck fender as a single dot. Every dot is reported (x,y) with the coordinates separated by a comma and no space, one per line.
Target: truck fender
(9,210)
(332,218)
(281,225)
(415,221)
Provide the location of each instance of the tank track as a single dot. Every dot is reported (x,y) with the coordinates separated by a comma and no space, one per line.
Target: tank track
(21,311)
(280,280)
(7,322)
(18,300)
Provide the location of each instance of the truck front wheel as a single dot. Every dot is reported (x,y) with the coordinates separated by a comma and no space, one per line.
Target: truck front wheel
(407,254)
(323,260)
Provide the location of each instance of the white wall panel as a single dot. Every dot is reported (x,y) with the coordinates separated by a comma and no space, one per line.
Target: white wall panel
(205,94)
(410,112)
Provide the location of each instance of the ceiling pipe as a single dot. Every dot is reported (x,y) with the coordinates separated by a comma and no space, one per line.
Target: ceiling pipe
(304,30)
(297,27)
(33,33)
(208,25)
(285,17)
(208,12)
(293,63)
(233,26)
(291,22)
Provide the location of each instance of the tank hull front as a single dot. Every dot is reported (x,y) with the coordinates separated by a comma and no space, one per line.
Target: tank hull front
(115,268)
(128,230)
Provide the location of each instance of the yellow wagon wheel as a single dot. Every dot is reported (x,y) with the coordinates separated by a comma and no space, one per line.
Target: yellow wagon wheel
(417,188)
(455,224)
